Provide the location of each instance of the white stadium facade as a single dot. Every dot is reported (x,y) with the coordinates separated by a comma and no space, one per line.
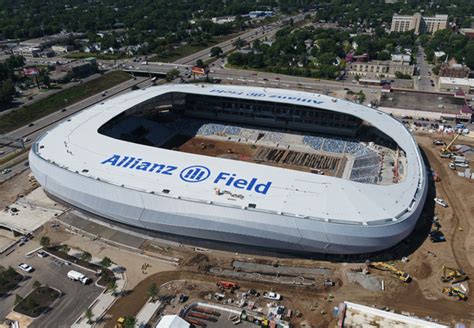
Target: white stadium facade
(120,160)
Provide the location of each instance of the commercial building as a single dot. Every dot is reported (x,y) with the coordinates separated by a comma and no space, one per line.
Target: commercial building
(454,83)
(418,23)
(380,68)
(454,70)
(76,68)
(149,159)
(62,49)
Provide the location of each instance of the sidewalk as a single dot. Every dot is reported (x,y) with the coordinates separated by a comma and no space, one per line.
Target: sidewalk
(146,313)
(105,300)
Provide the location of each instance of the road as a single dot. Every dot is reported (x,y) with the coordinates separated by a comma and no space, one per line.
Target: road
(424,82)
(30,133)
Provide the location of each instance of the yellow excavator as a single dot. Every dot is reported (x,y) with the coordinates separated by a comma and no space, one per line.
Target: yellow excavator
(446,150)
(452,275)
(455,292)
(403,276)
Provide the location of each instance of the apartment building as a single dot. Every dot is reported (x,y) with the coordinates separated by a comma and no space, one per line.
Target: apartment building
(418,23)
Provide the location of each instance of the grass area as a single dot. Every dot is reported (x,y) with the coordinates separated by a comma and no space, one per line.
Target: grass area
(9,280)
(55,102)
(82,55)
(188,49)
(13,155)
(180,52)
(37,302)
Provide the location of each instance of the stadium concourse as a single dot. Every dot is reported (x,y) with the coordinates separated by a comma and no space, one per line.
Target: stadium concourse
(260,167)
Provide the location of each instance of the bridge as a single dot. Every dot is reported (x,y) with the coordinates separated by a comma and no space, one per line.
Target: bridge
(154,68)
(12,141)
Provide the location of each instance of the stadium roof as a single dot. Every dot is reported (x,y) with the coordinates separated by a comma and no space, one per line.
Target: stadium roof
(77,146)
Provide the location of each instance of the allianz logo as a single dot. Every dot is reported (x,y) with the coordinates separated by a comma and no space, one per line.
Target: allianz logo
(190,174)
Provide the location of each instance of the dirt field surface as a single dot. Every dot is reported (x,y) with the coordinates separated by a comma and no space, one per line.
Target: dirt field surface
(10,189)
(289,159)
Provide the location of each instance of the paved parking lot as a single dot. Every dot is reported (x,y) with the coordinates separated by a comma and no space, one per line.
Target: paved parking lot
(422,101)
(76,297)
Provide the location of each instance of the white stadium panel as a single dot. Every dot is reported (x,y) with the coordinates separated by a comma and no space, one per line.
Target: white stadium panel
(175,192)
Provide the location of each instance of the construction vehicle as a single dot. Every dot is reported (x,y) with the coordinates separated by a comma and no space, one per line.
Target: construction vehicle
(453,275)
(119,323)
(447,149)
(403,276)
(455,292)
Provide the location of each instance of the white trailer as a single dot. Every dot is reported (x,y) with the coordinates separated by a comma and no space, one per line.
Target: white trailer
(74,275)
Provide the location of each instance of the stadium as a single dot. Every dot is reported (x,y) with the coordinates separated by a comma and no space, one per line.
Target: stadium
(267,168)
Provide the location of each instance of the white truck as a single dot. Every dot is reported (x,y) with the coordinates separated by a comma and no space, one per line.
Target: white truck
(272,296)
(74,275)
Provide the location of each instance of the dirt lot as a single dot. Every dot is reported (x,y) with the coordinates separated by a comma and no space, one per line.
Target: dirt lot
(294,160)
(10,189)
(422,297)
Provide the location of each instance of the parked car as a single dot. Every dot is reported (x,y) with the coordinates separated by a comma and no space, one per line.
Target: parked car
(464,165)
(42,254)
(6,171)
(441,202)
(272,296)
(25,267)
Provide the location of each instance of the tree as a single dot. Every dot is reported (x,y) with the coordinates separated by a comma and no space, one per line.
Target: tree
(153,292)
(112,286)
(239,43)
(106,262)
(173,74)
(64,248)
(36,284)
(44,78)
(45,241)
(469,54)
(200,63)
(129,322)
(7,91)
(89,315)
(216,51)
(361,96)
(86,256)
(18,299)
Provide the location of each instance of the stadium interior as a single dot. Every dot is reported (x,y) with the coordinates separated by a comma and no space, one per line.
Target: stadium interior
(295,137)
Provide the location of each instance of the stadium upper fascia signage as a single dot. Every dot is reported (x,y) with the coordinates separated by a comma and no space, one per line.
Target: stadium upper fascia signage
(190,174)
(258,94)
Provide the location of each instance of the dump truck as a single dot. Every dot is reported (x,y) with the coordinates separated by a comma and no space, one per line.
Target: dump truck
(403,276)
(77,276)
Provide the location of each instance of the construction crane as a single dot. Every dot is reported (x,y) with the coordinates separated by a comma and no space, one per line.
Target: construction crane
(403,276)
(447,149)
(455,292)
(453,275)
